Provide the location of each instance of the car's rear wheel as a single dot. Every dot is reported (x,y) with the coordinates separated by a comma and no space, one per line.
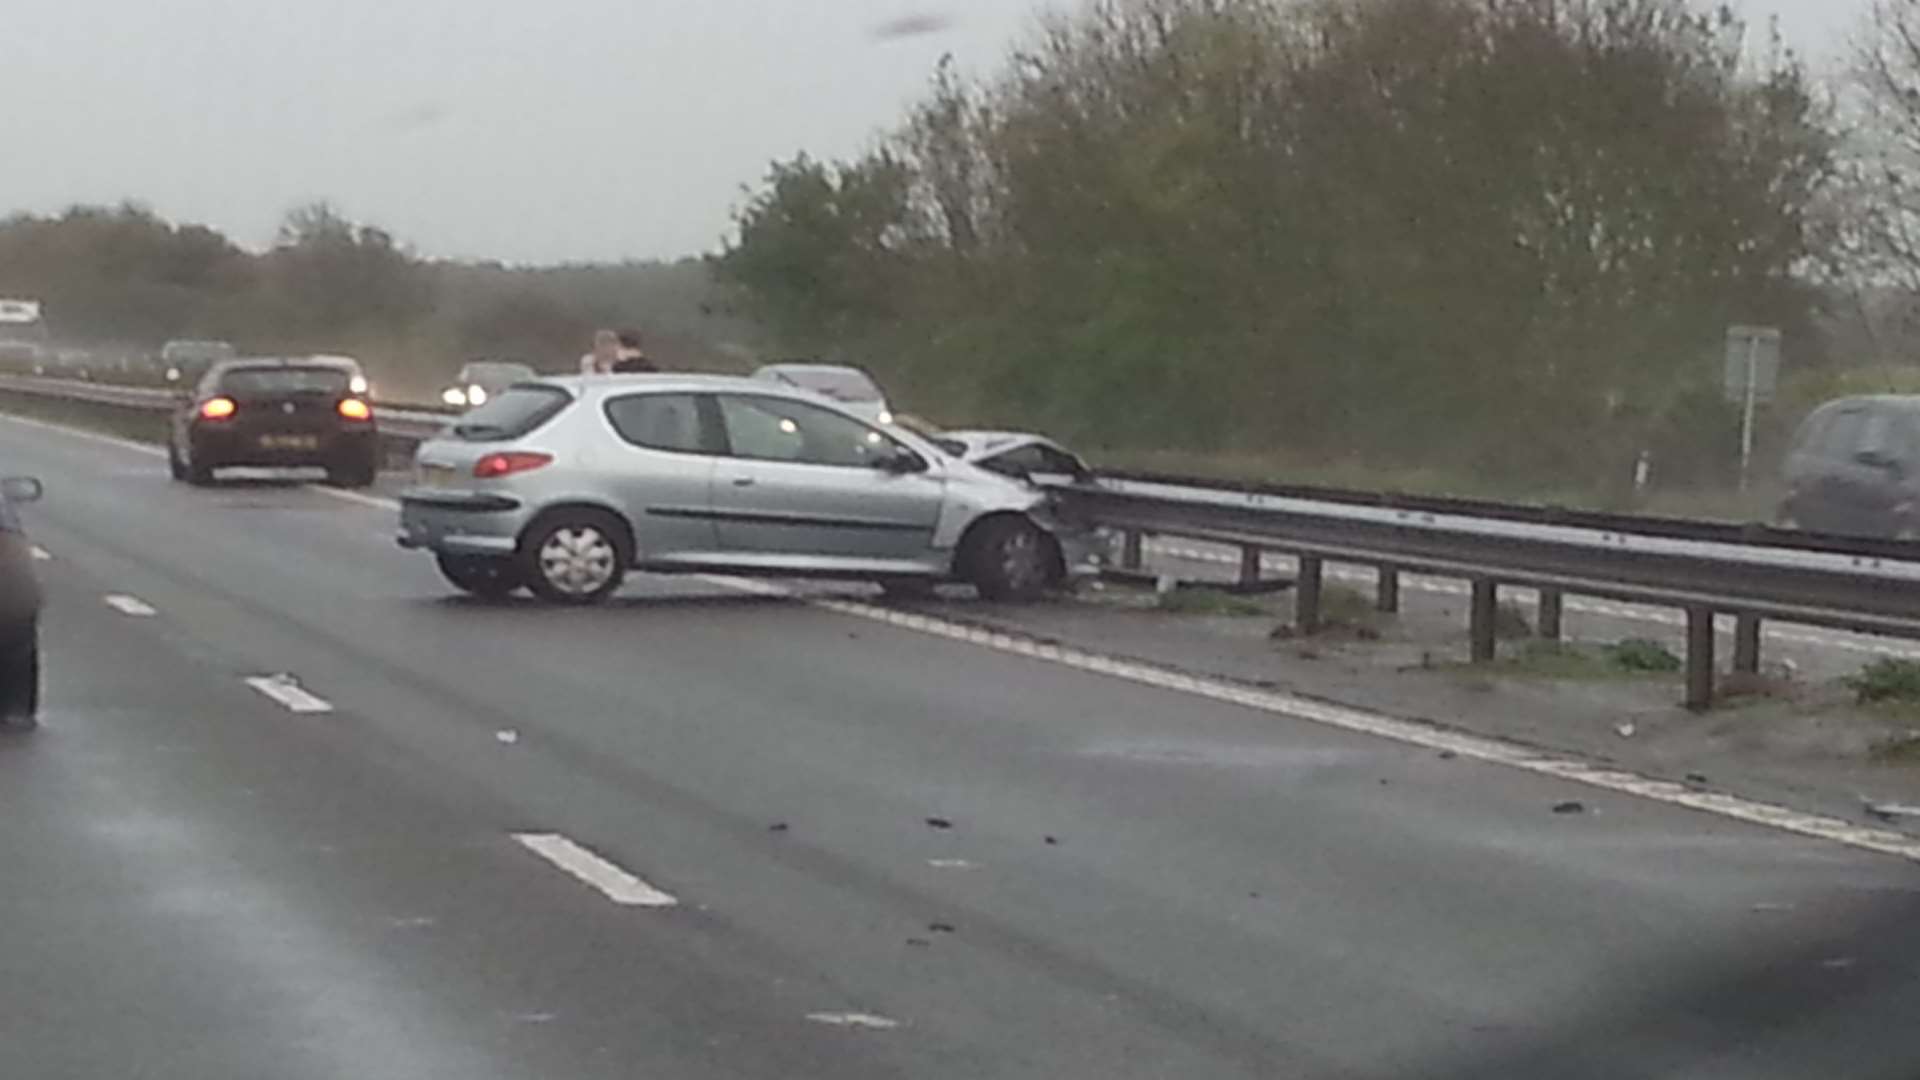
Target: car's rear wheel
(490,578)
(175,467)
(199,471)
(574,556)
(20,684)
(1008,559)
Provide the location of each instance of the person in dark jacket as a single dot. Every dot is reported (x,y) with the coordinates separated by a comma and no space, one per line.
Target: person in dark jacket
(632,358)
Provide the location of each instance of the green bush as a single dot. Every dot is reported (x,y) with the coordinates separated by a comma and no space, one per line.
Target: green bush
(1887,680)
(1640,654)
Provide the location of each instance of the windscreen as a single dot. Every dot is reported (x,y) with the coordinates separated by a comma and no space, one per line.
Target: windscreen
(496,373)
(517,411)
(267,382)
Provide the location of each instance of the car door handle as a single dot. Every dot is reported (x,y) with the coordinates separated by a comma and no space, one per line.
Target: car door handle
(743,481)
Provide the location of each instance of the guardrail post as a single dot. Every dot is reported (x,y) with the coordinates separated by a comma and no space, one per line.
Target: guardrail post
(1481,618)
(1746,644)
(1132,555)
(1552,614)
(1387,598)
(1306,596)
(1250,565)
(1699,659)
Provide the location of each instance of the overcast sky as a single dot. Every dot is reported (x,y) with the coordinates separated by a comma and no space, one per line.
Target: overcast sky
(526,131)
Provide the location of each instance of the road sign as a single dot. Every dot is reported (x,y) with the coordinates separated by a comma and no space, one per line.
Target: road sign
(1753,367)
(1753,363)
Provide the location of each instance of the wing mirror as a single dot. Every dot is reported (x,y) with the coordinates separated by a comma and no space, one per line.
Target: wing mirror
(22,489)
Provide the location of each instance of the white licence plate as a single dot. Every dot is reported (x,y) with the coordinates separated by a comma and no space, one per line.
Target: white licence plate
(436,476)
(289,442)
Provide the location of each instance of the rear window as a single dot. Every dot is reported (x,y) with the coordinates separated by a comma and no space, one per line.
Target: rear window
(262,382)
(662,422)
(497,372)
(516,411)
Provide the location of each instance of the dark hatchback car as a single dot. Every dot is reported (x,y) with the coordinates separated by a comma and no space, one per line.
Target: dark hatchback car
(19,610)
(277,414)
(1854,469)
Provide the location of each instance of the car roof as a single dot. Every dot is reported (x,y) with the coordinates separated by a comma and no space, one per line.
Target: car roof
(338,363)
(688,382)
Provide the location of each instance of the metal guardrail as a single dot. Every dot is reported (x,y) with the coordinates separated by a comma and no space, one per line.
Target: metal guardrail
(1706,570)
(1702,568)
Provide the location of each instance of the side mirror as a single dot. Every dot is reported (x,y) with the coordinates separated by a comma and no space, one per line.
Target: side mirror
(902,462)
(22,489)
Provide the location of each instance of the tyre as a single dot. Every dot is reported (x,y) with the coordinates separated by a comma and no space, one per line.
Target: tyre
(487,578)
(20,684)
(1008,559)
(198,473)
(574,556)
(175,467)
(358,474)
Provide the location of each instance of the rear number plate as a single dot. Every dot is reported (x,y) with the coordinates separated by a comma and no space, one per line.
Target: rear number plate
(289,442)
(436,476)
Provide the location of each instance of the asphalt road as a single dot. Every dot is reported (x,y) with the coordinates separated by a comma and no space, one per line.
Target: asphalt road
(780,841)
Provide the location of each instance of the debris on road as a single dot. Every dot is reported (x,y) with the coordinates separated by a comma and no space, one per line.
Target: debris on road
(1625,731)
(1448,755)
(1891,811)
(506,736)
(943,928)
(854,1020)
(1053,840)
(1570,808)
(919,943)
(939,823)
(778,826)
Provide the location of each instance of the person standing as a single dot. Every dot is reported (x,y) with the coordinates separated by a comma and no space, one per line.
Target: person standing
(633,358)
(605,354)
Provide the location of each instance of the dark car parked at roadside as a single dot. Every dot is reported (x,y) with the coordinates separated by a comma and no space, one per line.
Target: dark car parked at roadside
(20,600)
(1854,468)
(300,413)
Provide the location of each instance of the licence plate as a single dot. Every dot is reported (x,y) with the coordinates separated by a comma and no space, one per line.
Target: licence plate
(436,476)
(289,442)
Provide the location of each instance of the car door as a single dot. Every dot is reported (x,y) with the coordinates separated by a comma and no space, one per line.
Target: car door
(662,471)
(804,481)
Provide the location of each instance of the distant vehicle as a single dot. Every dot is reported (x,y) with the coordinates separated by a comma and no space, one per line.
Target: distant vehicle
(564,484)
(185,363)
(277,413)
(23,335)
(1013,453)
(482,380)
(20,600)
(1854,469)
(849,387)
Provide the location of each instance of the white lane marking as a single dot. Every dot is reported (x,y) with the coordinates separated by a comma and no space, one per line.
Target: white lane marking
(130,605)
(42,554)
(91,436)
(619,886)
(1476,747)
(377,502)
(290,694)
(950,864)
(854,1020)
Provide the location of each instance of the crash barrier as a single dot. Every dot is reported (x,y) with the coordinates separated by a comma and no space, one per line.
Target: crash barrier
(1703,569)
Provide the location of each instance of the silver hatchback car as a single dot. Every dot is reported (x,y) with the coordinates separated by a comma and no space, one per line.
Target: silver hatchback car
(562,485)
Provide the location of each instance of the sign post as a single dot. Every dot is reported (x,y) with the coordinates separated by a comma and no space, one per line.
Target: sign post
(1753,368)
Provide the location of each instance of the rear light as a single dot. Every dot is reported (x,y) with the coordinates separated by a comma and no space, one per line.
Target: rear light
(355,409)
(218,408)
(494,466)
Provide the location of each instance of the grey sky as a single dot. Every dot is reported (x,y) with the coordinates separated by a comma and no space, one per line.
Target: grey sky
(556,130)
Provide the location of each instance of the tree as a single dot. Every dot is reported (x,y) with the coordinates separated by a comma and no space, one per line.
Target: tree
(331,276)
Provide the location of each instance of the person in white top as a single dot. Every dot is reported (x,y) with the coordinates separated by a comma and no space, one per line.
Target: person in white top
(605,354)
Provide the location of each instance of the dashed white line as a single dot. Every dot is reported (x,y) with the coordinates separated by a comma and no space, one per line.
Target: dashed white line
(130,605)
(41,554)
(91,436)
(618,885)
(854,1020)
(290,694)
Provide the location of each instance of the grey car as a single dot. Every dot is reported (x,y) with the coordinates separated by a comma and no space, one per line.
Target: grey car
(562,485)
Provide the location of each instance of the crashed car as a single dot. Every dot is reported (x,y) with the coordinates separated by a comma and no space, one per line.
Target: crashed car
(1017,454)
(563,485)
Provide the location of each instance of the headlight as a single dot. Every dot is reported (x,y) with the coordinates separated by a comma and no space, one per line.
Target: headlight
(454,396)
(476,395)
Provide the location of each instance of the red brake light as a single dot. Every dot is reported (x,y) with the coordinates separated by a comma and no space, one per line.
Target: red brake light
(218,408)
(494,466)
(355,409)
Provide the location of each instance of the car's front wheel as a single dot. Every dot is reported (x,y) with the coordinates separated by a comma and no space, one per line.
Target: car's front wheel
(20,684)
(1009,559)
(574,556)
(484,577)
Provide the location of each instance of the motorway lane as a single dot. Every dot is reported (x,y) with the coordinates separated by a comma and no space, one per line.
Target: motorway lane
(1227,893)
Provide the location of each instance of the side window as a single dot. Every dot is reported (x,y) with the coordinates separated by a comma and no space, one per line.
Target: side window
(775,429)
(1841,437)
(668,422)
(1023,462)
